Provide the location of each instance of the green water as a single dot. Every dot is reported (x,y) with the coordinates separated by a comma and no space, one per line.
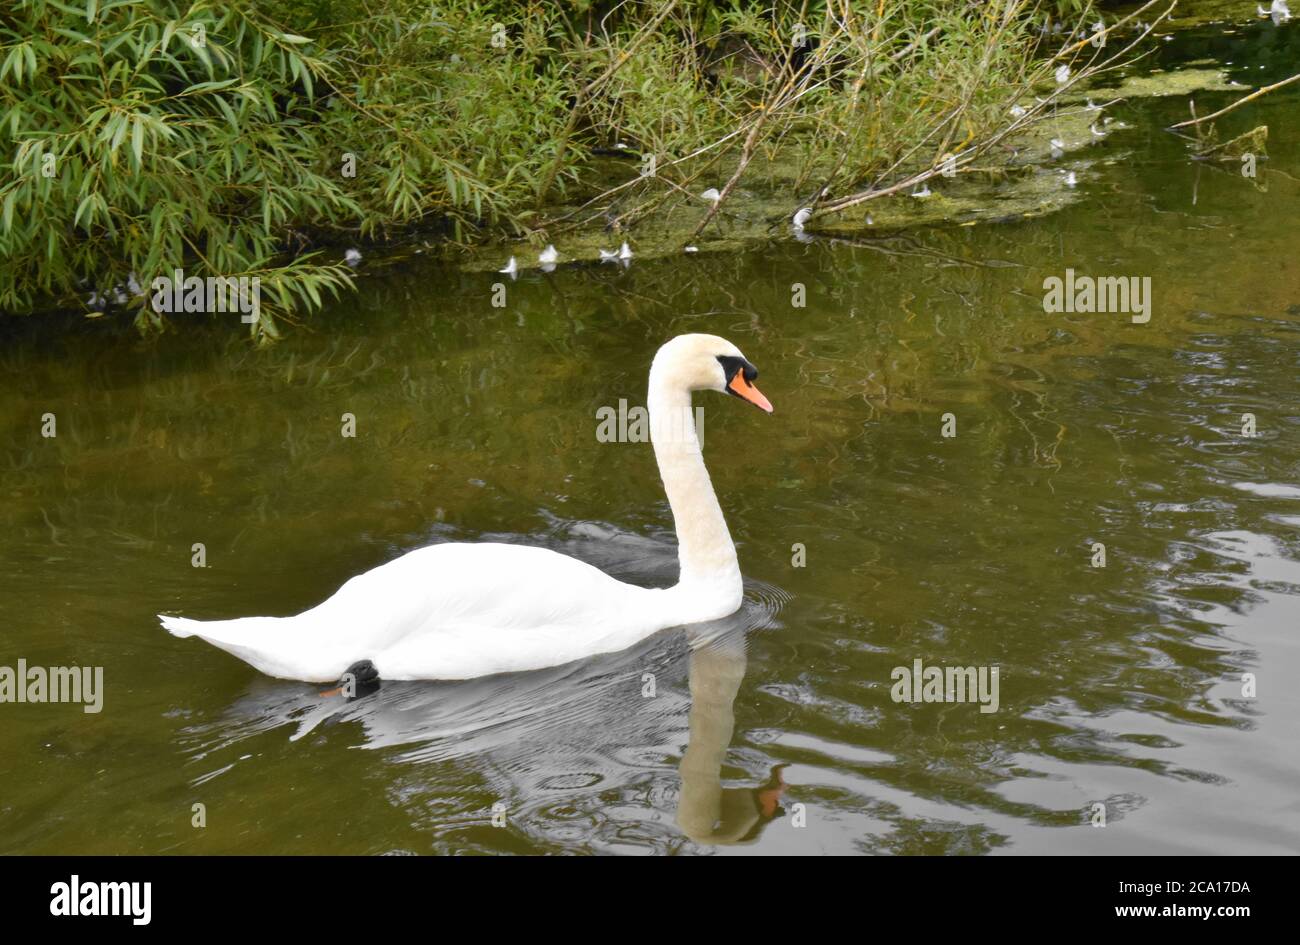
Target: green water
(1119,685)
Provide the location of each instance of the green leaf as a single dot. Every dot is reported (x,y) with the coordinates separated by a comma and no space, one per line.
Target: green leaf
(86,206)
(137,141)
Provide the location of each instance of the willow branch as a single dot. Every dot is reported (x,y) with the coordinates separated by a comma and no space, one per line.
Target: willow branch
(1239,102)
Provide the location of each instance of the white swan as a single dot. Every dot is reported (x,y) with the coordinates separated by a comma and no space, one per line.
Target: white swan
(462,610)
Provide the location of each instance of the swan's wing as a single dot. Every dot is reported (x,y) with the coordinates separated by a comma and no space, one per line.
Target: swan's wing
(461,610)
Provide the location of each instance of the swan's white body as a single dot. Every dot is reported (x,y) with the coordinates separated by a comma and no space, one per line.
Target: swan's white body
(458,611)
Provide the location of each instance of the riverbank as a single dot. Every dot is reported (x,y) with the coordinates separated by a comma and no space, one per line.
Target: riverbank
(260,141)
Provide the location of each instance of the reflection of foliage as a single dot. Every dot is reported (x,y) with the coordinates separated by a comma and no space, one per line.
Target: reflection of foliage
(1254,142)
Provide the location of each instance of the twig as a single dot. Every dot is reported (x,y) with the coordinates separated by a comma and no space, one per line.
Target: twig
(1241,101)
(585,92)
(780,100)
(970,154)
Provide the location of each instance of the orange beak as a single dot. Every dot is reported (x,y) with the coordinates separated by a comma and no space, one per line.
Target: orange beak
(742,388)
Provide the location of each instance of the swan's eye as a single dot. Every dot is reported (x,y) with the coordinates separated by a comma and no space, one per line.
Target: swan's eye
(732,365)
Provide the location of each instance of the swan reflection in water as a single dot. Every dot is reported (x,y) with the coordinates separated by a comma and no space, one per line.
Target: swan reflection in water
(707,812)
(546,742)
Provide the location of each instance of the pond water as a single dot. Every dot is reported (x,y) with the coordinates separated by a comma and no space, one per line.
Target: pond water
(1120,685)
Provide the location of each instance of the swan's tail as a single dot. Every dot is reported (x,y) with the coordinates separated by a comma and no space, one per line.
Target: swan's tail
(181,626)
(269,644)
(240,632)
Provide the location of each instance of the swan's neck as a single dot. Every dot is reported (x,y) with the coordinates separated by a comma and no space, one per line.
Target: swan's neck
(704,548)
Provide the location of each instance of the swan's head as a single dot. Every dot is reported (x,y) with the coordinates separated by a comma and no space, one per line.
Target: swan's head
(707,362)
(359,679)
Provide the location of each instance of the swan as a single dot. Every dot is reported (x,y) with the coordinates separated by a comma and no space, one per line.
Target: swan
(461,610)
